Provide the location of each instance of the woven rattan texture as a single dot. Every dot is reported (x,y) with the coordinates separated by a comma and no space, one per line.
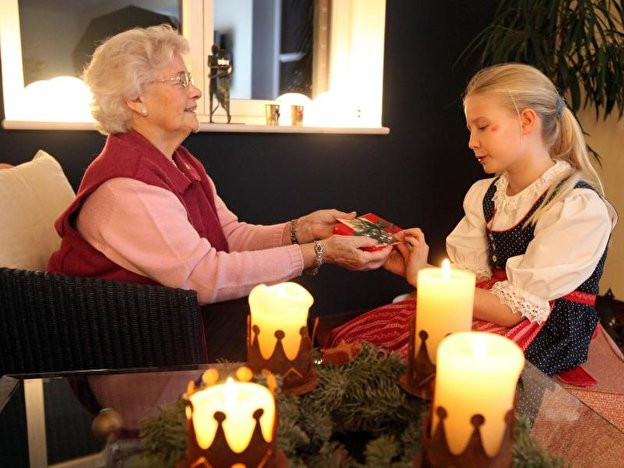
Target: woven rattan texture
(51,322)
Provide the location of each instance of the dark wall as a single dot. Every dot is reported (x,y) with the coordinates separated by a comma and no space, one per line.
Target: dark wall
(415,176)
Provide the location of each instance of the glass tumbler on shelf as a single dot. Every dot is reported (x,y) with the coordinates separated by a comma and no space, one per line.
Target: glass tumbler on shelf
(272,113)
(296,115)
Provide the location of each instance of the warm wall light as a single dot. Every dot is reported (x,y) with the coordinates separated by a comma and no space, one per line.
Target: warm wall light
(332,110)
(294,99)
(357,44)
(60,99)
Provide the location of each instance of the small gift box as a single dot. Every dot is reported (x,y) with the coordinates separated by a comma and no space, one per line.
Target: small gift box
(369,225)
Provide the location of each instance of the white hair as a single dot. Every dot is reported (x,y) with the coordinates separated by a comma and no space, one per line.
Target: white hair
(120,68)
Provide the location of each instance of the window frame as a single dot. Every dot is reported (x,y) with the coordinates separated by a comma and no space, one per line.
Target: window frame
(348,43)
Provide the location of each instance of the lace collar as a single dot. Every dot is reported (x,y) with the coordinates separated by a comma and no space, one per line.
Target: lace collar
(533,191)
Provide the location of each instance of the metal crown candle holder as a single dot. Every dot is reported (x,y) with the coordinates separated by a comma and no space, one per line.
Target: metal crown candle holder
(298,375)
(258,452)
(420,376)
(436,451)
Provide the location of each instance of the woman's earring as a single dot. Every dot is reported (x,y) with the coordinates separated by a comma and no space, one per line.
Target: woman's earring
(144,112)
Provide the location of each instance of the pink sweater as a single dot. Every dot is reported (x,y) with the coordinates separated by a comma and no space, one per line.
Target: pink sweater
(145,229)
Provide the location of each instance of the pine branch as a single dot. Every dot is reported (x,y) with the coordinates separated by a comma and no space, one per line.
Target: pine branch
(363,397)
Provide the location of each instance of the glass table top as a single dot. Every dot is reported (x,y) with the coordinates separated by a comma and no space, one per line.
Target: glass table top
(46,420)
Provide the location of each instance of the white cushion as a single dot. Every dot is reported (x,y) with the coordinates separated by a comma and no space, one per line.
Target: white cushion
(32,195)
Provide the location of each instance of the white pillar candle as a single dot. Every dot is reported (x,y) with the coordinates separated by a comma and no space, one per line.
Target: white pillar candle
(238,401)
(476,373)
(283,306)
(444,303)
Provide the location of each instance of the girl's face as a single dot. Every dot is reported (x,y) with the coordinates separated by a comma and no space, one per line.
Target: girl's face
(495,132)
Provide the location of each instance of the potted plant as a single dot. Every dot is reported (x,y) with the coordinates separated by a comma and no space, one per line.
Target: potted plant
(579,44)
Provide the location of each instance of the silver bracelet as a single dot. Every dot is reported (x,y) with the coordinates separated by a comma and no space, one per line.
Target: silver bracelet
(293,231)
(319,250)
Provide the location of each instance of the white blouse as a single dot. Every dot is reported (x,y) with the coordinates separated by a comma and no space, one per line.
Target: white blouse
(570,238)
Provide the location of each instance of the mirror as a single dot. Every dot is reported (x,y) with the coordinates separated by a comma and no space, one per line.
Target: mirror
(274,46)
(349,66)
(270,42)
(84,23)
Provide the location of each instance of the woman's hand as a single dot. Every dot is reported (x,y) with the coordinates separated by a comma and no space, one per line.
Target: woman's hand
(345,251)
(319,224)
(410,255)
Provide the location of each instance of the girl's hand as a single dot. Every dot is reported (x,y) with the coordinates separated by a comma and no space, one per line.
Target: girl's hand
(417,259)
(345,251)
(319,224)
(398,258)
(410,256)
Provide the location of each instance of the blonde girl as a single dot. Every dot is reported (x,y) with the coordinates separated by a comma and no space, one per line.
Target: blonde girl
(535,234)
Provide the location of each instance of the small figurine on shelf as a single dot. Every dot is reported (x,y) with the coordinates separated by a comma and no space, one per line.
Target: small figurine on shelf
(220,72)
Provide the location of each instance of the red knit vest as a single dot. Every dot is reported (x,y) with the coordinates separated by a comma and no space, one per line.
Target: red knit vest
(131,155)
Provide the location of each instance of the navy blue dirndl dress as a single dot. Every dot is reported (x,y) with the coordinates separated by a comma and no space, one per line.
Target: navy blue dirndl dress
(563,341)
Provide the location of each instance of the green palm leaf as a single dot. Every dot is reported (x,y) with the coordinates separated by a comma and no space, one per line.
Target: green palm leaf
(579,44)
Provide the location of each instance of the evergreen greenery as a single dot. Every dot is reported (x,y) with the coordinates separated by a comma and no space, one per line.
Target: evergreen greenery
(360,401)
(165,436)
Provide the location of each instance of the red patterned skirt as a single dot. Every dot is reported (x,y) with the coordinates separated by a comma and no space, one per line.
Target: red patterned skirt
(388,326)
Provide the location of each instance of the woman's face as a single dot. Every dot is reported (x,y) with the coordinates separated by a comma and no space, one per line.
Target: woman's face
(495,132)
(170,106)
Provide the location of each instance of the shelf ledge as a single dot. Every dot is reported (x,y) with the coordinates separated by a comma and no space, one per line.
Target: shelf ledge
(204,127)
(246,128)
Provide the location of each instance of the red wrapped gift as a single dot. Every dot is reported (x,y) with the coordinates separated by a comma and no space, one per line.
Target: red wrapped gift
(369,225)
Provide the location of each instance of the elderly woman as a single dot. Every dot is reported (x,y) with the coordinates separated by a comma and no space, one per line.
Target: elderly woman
(146,211)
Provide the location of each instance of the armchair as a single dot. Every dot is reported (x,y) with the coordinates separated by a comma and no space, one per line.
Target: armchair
(52,322)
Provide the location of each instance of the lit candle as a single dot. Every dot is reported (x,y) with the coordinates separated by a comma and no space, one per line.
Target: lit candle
(283,307)
(238,401)
(444,303)
(476,373)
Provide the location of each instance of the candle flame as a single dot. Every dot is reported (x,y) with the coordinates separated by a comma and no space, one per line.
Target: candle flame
(229,384)
(446,268)
(230,391)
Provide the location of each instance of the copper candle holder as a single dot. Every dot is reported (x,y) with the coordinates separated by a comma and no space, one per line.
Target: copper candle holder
(419,378)
(258,452)
(436,452)
(298,375)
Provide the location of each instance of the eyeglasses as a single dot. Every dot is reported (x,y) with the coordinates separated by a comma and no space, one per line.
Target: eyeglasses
(183,78)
